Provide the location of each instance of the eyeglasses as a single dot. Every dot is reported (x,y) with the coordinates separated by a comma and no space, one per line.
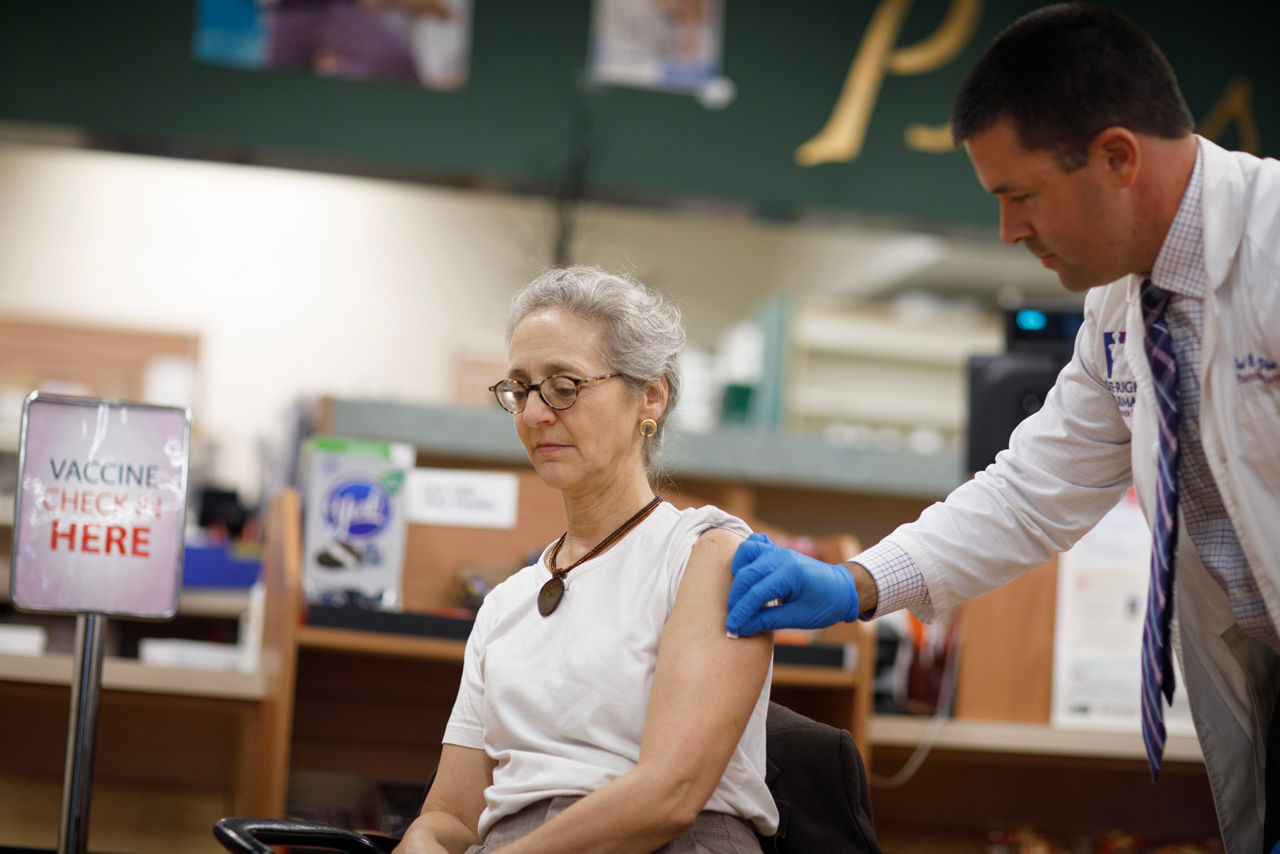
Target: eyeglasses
(557,391)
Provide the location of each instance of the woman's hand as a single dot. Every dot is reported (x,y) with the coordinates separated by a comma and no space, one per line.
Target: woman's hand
(419,839)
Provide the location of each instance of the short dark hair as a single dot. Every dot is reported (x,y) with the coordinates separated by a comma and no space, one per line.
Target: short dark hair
(1064,73)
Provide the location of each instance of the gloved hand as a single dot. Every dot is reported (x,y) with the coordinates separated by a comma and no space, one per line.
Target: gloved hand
(813,594)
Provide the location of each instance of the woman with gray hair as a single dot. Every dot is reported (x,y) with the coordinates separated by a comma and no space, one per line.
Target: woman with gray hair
(602,706)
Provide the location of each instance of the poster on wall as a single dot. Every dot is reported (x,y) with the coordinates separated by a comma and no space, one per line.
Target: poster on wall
(1097,650)
(427,42)
(100,508)
(668,45)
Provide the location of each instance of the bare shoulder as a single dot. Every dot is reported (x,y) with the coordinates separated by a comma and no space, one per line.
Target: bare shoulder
(714,550)
(717,541)
(701,607)
(709,571)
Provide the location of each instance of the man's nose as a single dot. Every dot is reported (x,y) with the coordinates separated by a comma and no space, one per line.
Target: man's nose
(1014,228)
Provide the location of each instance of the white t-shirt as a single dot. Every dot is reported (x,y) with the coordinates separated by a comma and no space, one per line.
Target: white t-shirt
(559,702)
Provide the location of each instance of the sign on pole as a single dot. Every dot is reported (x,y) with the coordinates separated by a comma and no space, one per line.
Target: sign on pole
(100,507)
(98,531)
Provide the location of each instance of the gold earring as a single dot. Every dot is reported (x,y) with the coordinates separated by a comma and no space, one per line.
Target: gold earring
(648,427)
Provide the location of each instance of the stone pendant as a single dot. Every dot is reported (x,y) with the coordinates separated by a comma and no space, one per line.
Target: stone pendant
(550,595)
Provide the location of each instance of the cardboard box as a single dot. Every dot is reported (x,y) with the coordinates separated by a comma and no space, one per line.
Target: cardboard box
(354,521)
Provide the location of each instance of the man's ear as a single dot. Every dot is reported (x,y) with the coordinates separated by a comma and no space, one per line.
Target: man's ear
(1118,152)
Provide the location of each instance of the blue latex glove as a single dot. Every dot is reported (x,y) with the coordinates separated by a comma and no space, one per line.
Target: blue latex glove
(813,594)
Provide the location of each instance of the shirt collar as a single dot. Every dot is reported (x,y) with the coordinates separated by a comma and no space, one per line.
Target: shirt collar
(1179,267)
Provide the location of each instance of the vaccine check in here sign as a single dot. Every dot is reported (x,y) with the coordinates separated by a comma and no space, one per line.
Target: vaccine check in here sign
(101,507)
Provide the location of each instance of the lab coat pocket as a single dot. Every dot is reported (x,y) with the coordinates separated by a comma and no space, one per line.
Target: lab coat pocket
(1259,431)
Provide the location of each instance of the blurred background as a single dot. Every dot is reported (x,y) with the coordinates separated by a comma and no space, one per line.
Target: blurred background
(308,216)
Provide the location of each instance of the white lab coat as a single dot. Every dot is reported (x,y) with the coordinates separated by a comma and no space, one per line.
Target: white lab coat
(1068,464)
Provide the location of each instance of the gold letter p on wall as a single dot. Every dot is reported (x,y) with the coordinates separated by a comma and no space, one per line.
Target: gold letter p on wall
(842,137)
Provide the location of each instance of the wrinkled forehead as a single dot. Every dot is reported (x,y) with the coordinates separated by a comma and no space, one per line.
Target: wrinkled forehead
(553,339)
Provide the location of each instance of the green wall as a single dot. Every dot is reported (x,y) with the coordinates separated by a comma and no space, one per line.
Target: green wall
(123,67)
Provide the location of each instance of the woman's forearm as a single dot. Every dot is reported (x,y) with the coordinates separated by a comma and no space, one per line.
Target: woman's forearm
(635,814)
(453,806)
(437,833)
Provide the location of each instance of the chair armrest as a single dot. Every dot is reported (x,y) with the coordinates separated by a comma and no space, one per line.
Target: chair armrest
(256,835)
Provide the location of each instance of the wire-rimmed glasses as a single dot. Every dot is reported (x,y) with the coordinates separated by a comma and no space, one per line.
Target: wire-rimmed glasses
(559,391)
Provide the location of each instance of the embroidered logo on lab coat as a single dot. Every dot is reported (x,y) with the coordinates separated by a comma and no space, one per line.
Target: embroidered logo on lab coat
(1254,369)
(1119,383)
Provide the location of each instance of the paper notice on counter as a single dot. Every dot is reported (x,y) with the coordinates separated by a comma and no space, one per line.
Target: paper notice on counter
(1102,600)
(462,498)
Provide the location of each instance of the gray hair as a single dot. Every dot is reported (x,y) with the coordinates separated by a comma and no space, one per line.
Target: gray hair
(642,332)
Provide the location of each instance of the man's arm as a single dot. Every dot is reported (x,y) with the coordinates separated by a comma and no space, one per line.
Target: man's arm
(1066,466)
(868,595)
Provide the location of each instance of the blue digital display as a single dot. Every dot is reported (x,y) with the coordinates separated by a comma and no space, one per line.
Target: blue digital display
(1031,320)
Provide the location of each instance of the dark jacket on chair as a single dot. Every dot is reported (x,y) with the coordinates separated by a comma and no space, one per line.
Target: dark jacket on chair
(819,783)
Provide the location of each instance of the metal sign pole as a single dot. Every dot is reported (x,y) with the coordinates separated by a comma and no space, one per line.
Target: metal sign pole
(114,550)
(86,686)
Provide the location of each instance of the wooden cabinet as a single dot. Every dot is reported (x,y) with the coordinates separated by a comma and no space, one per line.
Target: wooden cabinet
(785,481)
(179,748)
(768,480)
(189,746)
(176,749)
(998,764)
(373,704)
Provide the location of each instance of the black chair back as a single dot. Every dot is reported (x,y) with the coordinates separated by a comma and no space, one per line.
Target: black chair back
(819,783)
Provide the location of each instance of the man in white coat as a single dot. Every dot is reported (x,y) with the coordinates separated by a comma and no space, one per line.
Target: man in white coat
(1074,122)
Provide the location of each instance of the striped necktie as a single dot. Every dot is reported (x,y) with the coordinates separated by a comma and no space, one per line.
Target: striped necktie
(1157,657)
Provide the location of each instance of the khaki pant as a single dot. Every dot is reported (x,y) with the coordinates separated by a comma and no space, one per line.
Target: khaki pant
(712,833)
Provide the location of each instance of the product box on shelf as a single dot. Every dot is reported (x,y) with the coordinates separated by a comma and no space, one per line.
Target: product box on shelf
(354,521)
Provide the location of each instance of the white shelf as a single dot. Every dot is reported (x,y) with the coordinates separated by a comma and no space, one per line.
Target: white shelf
(871,366)
(903,409)
(870,335)
(124,674)
(746,456)
(1026,739)
(213,603)
(200,602)
(127,674)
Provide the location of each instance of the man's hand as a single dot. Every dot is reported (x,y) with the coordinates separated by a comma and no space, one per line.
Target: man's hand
(812,594)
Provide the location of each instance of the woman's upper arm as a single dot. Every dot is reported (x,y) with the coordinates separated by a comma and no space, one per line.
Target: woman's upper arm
(461,778)
(705,683)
